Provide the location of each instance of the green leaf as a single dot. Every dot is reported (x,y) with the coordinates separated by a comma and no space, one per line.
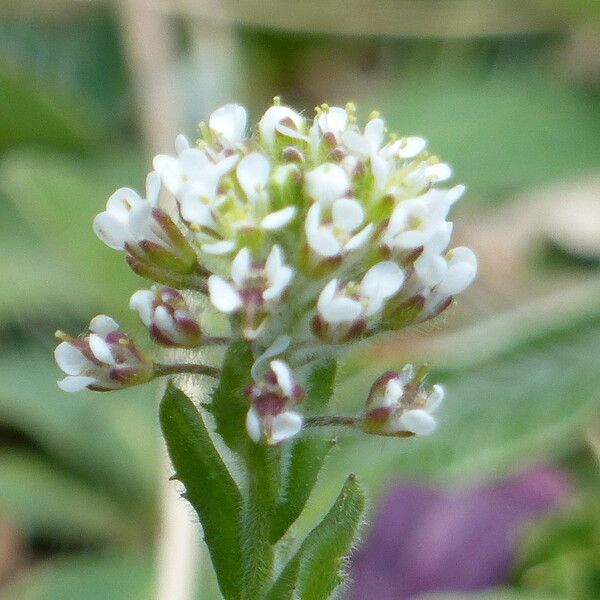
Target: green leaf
(319,563)
(229,403)
(118,577)
(210,489)
(306,455)
(54,504)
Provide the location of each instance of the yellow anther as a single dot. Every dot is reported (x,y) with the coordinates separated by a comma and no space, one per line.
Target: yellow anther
(374,115)
(61,335)
(276,101)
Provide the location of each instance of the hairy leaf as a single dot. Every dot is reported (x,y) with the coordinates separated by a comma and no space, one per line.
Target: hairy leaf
(210,489)
(319,563)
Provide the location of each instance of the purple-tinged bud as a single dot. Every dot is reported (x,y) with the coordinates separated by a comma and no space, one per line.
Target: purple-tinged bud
(269,415)
(399,405)
(165,313)
(105,359)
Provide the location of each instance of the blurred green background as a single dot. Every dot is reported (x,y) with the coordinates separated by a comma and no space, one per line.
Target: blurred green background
(507,92)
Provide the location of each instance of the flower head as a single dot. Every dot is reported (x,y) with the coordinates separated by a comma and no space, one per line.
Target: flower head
(271,398)
(400,405)
(165,313)
(105,359)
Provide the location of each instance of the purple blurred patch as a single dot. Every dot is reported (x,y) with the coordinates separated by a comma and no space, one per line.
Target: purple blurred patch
(431,540)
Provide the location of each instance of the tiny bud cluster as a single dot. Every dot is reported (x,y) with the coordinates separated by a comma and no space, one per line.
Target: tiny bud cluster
(317,231)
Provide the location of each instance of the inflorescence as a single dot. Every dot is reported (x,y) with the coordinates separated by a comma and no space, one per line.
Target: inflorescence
(307,235)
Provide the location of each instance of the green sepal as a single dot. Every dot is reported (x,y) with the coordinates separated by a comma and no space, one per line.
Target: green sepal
(307,454)
(209,487)
(317,568)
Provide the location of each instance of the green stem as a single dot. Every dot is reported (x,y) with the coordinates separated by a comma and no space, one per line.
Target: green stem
(332,421)
(160,370)
(263,471)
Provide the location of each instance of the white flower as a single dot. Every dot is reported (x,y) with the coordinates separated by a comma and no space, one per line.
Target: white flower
(270,414)
(369,142)
(229,123)
(280,120)
(165,313)
(106,359)
(340,235)
(343,310)
(399,404)
(255,287)
(415,222)
(127,217)
(332,120)
(327,183)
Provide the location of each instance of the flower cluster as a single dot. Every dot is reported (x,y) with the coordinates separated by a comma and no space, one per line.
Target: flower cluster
(318,231)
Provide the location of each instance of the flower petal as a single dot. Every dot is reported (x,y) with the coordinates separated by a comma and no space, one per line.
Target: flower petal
(223,247)
(70,359)
(347,214)
(284,426)
(435,398)
(327,183)
(383,280)
(101,350)
(103,325)
(284,376)
(240,267)
(272,117)
(279,218)
(76,383)
(229,121)
(253,425)
(341,309)
(417,421)
(142,302)
(360,239)
(253,173)
(223,295)
(112,232)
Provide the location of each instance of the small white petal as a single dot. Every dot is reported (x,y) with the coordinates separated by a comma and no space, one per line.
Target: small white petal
(278,284)
(284,376)
(121,202)
(462,268)
(327,295)
(411,146)
(272,117)
(75,383)
(142,302)
(140,219)
(360,239)
(253,425)
(100,349)
(240,267)
(169,170)
(279,218)
(455,193)
(181,143)
(382,280)
(355,142)
(323,242)
(224,247)
(194,210)
(112,232)
(374,132)
(327,183)
(435,398)
(409,240)
(439,172)
(153,188)
(347,214)
(166,324)
(253,173)
(70,359)
(223,295)
(103,325)
(430,269)
(274,262)
(285,426)
(417,421)
(333,120)
(229,121)
(290,132)
(393,392)
(342,309)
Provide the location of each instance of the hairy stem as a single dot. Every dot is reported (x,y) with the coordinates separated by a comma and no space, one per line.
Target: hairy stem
(332,421)
(160,370)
